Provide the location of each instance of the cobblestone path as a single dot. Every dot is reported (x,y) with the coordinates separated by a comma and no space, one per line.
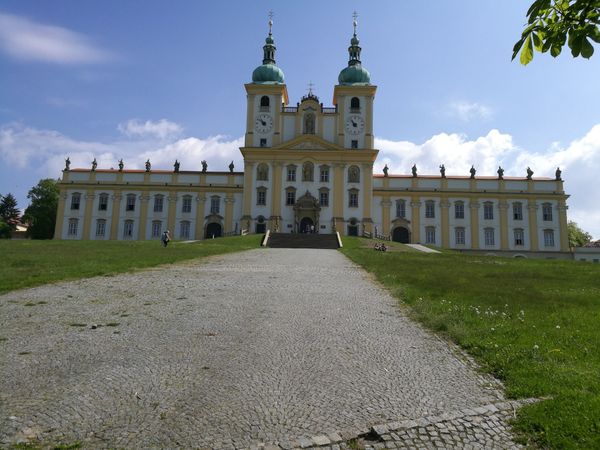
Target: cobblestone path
(296,348)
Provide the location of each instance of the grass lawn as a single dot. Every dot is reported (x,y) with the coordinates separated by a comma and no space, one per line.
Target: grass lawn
(26,263)
(534,324)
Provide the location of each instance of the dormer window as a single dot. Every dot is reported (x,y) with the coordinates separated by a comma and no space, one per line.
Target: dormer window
(264,103)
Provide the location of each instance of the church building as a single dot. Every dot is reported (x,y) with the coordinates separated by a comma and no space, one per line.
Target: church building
(309,168)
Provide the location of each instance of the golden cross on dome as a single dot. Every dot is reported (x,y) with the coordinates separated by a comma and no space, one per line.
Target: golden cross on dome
(310,87)
(270,20)
(355,17)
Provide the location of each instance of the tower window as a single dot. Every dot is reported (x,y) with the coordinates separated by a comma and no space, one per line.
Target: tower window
(354,143)
(263,142)
(354,105)
(264,103)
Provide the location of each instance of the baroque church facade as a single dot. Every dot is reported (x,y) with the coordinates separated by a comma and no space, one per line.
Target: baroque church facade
(310,168)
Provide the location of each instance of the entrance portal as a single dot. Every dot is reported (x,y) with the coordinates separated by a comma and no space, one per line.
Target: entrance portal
(213,230)
(401,235)
(261,228)
(305,224)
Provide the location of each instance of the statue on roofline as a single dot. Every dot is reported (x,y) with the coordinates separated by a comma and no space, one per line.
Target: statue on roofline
(500,173)
(121,165)
(414,170)
(94,165)
(148,165)
(176,166)
(472,171)
(385,170)
(558,174)
(204,165)
(67,164)
(443,171)
(529,173)
(231,167)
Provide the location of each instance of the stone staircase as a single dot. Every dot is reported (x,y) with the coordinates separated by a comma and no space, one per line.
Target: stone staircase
(288,240)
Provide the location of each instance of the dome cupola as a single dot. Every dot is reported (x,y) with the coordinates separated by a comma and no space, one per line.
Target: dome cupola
(268,72)
(355,74)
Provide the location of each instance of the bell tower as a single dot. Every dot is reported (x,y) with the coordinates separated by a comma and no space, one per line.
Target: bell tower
(353,97)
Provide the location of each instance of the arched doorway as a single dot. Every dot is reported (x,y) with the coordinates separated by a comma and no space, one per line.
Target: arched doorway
(213,230)
(261,225)
(353,228)
(401,234)
(305,225)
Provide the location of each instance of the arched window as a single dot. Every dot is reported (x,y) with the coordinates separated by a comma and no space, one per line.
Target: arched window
(309,123)
(308,170)
(264,103)
(262,172)
(354,104)
(353,174)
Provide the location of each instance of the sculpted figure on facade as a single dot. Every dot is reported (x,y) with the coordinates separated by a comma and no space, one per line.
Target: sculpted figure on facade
(67,164)
(500,173)
(414,170)
(204,166)
(121,165)
(231,167)
(176,166)
(472,171)
(443,171)
(558,174)
(529,173)
(94,165)
(385,170)
(148,165)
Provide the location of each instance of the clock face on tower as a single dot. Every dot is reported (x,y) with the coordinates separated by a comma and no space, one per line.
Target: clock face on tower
(263,123)
(355,124)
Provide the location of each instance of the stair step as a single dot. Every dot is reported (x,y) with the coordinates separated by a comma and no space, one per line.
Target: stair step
(288,240)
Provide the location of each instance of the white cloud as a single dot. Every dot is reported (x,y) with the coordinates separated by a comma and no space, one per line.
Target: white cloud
(24,39)
(467,111)
(160,129)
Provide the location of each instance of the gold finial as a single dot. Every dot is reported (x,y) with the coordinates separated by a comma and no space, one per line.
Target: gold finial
(270,21)
(355,22)
(310,87)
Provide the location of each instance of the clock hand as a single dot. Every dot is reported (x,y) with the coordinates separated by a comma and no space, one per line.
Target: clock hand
(263,122)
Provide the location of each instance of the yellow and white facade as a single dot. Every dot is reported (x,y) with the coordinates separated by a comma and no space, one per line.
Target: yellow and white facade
(310,168)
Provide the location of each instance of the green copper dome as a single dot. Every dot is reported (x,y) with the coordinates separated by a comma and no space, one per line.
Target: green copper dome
(268,74)
(355,74)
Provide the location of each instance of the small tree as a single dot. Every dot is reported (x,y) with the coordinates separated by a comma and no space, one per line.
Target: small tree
(9,212)
(40,215)
(552,23)
(4,230)
(577,237)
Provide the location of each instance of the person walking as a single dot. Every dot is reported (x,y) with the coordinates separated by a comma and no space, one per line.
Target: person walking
(165,238)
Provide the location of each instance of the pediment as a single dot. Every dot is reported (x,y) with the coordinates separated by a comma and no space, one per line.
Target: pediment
(308,142)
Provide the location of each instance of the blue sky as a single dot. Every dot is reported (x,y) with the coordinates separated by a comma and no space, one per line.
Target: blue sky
(158,80)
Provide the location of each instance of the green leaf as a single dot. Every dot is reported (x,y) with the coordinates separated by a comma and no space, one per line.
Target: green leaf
(537,42)
(517,47)
(595,35)
(555,50)
(587,50)
(575,44)
(527,51)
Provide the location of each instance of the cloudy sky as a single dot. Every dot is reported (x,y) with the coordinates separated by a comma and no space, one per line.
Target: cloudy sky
(158,80)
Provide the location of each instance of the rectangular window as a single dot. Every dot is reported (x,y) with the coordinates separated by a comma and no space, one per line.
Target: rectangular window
(103,202)
(459,235)
(291,174)
(186,206)
(549,238)
(489,236)
(215,205)
(429,209)
(158,203)
(263,142)
(459,210)
(353,200)
(128,229)
(290,198)
(73,226)
(261,197)
(324,198)
(100,227)
(184,230)
(429,235)
(75,201)
(519,238)
(325,175)
(156,228)
(517,211)
(547,212)
(401,208)
(488,211)
(130,206)
(354,143)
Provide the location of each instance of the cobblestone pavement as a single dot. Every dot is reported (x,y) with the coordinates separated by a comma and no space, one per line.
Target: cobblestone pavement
(295,348)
